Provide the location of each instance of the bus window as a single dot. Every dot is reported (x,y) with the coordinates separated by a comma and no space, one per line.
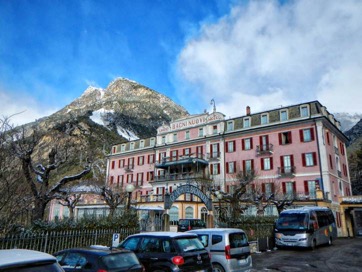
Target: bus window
(293,221)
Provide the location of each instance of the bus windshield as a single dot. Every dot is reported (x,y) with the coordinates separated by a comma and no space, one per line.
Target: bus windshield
(293,221)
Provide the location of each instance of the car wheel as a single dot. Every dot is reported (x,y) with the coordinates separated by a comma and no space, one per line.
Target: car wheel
(217,268)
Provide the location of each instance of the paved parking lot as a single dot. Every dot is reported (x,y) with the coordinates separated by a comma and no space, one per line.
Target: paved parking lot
(344,255)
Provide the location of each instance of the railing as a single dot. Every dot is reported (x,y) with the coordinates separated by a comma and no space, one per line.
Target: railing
(53,241)
(182,157)
(129,168)
(264,149)
(336,150)
(287,171)
(178,176)
(213,155)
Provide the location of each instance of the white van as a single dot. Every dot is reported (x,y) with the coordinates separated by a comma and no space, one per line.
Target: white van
(229,248)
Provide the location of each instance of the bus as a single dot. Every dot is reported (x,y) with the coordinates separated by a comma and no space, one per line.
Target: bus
(305,227)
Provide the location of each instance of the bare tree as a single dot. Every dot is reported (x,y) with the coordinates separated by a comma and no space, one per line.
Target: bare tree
(113,198)
(37,170)
(69,200)
(13,209)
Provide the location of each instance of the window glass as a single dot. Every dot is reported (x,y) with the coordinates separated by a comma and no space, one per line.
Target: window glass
(187,135)
(304,111)
(248,165)
(264,119)
(307,137)
(247,144)
(231,146)
(201,132)
(266,163)
(189,212)
(131,243)
(204,238)
(214,130)
(189,244)
(246,122)
(283,115)
(230,126)
(238,240)
(309,159)
(216,239)
(122,260)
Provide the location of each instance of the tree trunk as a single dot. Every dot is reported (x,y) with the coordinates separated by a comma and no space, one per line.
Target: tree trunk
(39,209)
(71,213)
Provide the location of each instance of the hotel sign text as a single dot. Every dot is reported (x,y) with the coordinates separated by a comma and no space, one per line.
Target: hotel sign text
(191,122)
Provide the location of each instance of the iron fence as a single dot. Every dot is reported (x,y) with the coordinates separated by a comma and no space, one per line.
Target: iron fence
(53,241)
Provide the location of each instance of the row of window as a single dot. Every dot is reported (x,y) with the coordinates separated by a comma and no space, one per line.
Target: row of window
(306,135)
(230,126)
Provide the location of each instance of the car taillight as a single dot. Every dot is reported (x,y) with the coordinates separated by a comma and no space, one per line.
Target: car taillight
(102,270)
(189,227)
(178,260)
(227,253)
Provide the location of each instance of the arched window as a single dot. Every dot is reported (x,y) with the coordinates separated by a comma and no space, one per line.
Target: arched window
(204,214)
(189,213)
(173,215)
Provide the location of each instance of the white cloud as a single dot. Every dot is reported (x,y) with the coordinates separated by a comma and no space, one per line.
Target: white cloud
(264,54)
(22,109)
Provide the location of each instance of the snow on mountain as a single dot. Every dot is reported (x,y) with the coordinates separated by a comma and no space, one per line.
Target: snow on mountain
(347,120)
(103,117)
(98,116)
(126,134)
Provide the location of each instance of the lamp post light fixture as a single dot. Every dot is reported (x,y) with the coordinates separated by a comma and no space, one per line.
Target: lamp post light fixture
(129,189)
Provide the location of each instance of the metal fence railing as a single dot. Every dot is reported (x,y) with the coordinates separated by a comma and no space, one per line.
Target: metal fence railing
(53,241)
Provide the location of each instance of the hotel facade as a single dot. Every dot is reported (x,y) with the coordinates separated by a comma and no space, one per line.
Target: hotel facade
(296,152)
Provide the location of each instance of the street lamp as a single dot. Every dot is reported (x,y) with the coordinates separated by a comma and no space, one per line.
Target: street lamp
(129,189)
(219,197)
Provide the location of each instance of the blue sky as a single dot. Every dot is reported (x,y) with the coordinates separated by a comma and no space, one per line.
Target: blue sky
(258,53)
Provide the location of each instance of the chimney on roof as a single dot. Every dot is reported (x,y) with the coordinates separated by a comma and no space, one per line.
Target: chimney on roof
(247,110)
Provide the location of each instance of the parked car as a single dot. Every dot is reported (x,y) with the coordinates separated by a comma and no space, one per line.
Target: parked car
(94,259)
(190,224)
(228,247)
(169,251)
(24,260)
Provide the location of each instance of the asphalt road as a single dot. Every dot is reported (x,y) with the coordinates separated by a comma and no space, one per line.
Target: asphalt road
(344,255)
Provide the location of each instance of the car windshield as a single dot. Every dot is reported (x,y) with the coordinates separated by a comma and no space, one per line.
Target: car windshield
(293,221)
(120,260)
(188,244)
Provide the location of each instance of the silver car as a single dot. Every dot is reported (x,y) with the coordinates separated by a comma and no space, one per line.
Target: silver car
(23,260)
(229,248)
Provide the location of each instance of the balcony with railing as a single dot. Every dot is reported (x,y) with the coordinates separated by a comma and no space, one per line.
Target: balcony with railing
(266,149)
(179,176)
(287,171)
(213,156)
(129,168)
(179,161)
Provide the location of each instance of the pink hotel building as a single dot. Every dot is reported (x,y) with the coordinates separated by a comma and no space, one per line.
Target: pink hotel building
(296,151)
